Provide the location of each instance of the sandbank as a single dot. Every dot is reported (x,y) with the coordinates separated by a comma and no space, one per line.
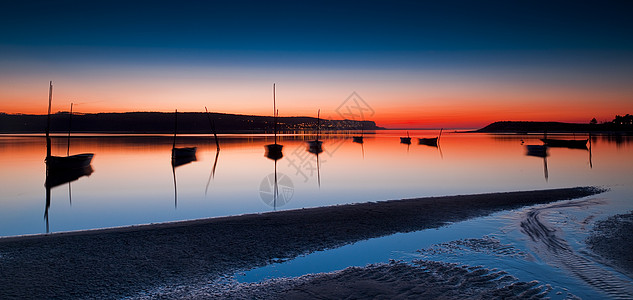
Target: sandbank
(128,261)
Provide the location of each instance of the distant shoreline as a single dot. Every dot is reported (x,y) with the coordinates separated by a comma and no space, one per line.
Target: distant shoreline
(526,127)
(164,123)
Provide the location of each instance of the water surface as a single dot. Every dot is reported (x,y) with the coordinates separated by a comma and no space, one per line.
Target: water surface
(133,181)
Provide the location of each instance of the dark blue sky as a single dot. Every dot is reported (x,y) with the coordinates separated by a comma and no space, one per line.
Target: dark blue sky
(316,26)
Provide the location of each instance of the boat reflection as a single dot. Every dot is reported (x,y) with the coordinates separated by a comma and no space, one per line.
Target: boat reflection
(58,176)
(539,151)
(362,144)
(316,150)
(212,175)
(177,162)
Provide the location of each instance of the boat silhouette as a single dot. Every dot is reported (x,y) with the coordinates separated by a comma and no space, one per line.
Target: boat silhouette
(433,142)
(316,144)
(406,140)
(274,151)
(76,161)
(572,144)
(183,152)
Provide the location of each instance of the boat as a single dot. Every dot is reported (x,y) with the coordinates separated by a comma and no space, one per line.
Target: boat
(316,144)
(406,140)
(274,151)
(185,153)
(77,161)
(430,141)
(574,144)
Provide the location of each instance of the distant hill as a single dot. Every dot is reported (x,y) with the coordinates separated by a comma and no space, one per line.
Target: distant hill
(540,127)
(157,122)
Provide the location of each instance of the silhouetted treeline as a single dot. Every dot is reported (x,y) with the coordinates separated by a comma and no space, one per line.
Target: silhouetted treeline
(156,122)
(540,127)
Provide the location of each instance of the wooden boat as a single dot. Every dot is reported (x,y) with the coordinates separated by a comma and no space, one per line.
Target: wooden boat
(77,161)
(430,141)
(406,140)
(183,152)
(316,144)
(274,151)
(575,144)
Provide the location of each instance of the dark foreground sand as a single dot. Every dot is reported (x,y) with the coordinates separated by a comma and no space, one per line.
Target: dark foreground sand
(394,280)
(613,239)
(121,262)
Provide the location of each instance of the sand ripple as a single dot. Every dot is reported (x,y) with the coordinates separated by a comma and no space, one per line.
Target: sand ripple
(396,280)
(552,247)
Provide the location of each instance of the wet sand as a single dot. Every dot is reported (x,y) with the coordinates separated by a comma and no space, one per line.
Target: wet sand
(612,239)
(129,261)
(393,280)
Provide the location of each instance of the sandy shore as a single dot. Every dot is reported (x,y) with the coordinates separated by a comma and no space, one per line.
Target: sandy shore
(121,262)
(613,239)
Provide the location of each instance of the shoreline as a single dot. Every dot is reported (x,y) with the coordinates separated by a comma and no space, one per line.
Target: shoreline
(125,261)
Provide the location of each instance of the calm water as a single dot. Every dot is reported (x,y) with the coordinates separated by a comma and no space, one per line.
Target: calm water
(133,182)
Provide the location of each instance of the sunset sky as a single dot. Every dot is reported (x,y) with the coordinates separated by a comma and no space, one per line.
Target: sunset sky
(417,64)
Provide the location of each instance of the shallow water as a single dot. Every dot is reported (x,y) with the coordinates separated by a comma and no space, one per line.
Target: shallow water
(543,243)
(133,182)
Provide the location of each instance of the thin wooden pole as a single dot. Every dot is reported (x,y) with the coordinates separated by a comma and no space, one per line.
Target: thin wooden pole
(318,123)
(48,120)
(275,112)
(175,127)
(70,122)
(212,124)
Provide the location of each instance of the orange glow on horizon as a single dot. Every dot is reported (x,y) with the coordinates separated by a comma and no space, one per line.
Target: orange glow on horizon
(414,102)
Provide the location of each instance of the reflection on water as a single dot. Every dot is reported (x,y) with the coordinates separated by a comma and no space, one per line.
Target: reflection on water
(56,177)
(134,185)
(177,161)
(215,165)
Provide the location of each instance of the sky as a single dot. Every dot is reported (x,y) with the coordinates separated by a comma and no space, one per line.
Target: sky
(414,64)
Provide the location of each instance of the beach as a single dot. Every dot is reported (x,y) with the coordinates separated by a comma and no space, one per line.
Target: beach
(132,261)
